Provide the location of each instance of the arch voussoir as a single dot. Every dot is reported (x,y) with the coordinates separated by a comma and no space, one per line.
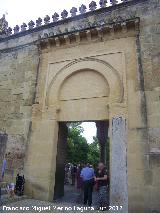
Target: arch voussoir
(110,74)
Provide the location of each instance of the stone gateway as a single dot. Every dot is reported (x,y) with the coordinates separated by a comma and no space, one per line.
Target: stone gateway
(101,65)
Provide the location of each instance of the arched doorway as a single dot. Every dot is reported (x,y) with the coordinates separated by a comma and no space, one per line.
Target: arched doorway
(87,89)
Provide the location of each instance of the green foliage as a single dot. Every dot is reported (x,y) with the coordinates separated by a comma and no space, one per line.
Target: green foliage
(93,153)
(79,151)
(77,147)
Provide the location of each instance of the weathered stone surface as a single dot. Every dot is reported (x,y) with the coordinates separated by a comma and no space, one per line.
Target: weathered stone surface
(126,60)
(17,81)
(119,186)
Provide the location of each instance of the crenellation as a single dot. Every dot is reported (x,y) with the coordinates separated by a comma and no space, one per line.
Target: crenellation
(103,3)
(55,17)
(23,27)
(16,29)
(64,14)
(46,19)
(113,2)
(114,47)
(31,25)
(3,25)
(38,22)
(9,31)
(92,6)
(73,11)
(82,9)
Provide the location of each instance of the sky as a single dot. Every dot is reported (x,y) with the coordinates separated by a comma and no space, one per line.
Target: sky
(19,11)
(89,131)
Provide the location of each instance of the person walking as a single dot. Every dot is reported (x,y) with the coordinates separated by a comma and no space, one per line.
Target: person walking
(102,183)
(88,176)
(73,174)
(79,178)
(4,166)
(66,180)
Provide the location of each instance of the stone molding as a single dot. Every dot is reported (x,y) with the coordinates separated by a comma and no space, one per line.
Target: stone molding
(86,63)
(57,39)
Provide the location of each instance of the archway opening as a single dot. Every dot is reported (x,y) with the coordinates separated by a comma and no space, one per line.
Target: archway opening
(79,143)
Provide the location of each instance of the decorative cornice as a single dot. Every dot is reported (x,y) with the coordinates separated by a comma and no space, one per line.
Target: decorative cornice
(58,38)
(47,22)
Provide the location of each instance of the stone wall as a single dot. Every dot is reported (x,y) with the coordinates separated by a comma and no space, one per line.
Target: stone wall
(19,67)
(18,70)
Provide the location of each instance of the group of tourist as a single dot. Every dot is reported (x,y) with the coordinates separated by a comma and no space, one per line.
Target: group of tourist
(11,187)
(87,179)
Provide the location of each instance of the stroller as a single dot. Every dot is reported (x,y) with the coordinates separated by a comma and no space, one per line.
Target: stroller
(19,188)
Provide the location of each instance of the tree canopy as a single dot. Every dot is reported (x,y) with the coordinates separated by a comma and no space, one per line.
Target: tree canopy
(94,152)
(78,150)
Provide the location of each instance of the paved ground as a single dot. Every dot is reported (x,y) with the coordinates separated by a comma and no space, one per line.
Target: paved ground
(71,202)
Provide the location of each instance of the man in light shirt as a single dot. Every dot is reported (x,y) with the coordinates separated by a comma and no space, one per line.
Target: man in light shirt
(88,176)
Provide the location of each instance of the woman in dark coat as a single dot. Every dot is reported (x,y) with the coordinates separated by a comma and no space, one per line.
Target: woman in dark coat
(79,179)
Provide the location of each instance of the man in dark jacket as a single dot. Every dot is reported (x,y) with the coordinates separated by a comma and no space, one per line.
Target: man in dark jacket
(102,181)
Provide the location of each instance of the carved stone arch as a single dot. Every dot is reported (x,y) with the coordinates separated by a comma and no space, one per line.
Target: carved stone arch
(82,81)
(103,68)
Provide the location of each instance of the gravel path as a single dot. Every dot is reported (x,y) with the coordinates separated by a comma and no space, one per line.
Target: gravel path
(70,203)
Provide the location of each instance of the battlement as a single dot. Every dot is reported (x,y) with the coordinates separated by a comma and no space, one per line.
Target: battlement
(75,14)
